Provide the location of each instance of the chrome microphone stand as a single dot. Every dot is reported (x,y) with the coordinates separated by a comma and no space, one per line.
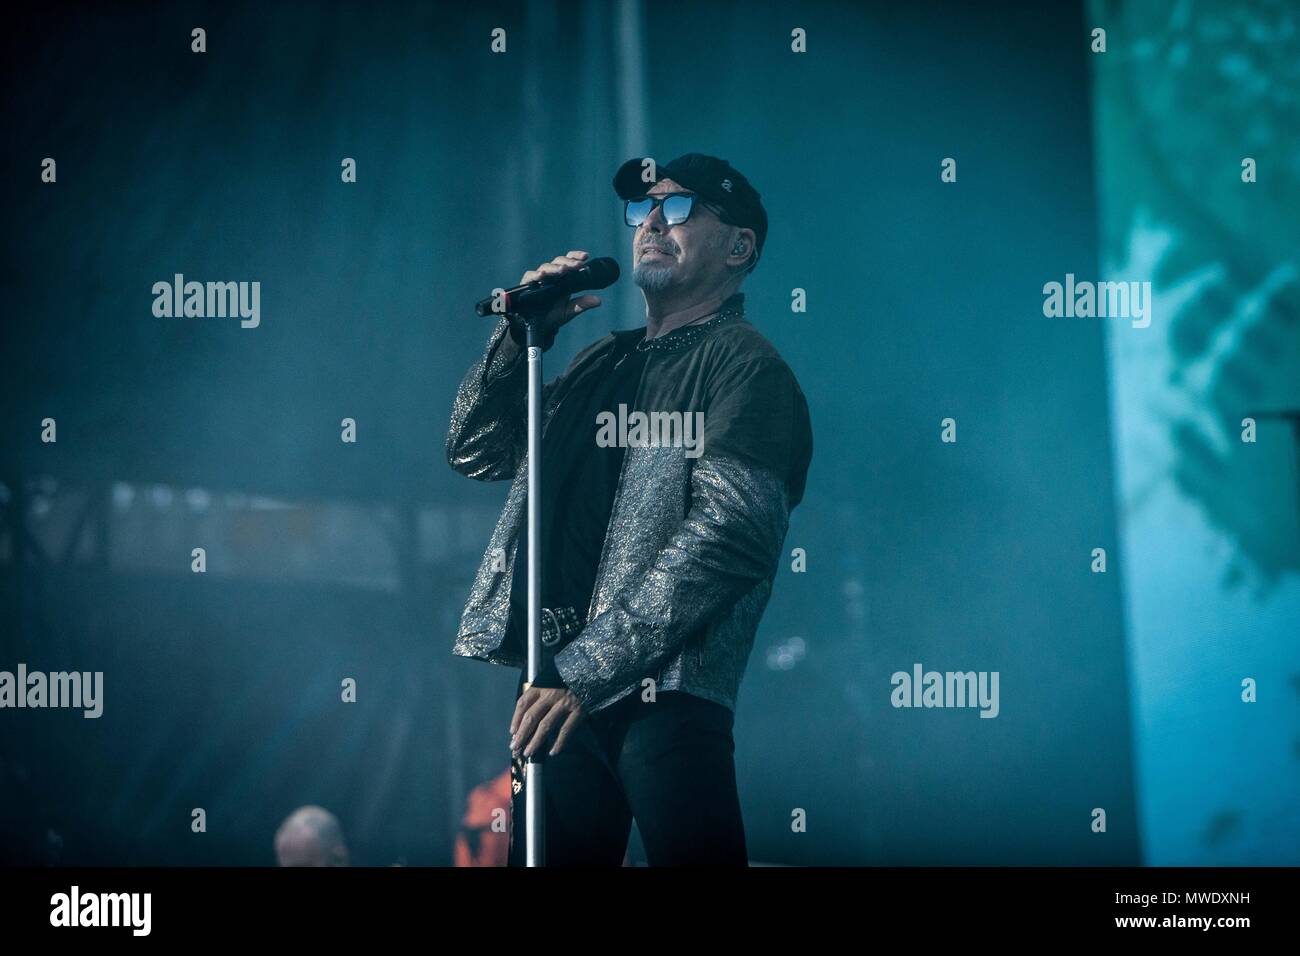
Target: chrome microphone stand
(534,783)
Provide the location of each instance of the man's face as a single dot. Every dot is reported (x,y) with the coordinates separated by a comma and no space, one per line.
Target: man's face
(691,254)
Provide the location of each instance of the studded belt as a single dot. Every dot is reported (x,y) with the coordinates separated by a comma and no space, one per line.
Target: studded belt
(559,624)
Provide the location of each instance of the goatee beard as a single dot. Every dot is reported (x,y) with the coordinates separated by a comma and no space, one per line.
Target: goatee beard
(652,278)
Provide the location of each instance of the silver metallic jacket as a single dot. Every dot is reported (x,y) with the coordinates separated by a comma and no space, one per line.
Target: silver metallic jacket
(692,545)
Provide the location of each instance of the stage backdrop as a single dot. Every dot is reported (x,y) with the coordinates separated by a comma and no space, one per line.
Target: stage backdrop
(928,168)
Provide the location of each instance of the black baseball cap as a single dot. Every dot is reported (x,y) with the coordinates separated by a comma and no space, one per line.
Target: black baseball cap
(714,179)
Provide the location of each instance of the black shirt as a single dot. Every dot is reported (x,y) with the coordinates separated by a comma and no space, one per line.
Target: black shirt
(755,413)
(579,479)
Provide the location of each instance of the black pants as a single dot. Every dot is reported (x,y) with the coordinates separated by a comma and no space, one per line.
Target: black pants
(668,764)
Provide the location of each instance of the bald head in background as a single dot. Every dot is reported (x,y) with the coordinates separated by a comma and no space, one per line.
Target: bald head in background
(310,836)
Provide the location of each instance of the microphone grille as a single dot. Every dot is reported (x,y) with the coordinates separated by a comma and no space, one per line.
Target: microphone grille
(603,272)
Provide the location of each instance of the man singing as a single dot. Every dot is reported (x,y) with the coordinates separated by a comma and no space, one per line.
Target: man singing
(659,554)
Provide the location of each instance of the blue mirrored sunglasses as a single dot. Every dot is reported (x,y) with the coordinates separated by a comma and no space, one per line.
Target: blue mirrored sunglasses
(677,208)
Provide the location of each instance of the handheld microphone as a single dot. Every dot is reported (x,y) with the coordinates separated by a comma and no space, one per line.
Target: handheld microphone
(540,295)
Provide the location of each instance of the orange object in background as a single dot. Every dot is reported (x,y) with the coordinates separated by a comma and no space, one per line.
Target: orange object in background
(477,844)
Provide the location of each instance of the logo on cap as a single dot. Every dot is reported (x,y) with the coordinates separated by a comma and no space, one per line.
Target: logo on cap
(726,184)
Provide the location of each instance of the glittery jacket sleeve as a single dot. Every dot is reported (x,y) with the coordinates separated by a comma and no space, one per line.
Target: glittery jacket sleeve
(729,542)
(486,438)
